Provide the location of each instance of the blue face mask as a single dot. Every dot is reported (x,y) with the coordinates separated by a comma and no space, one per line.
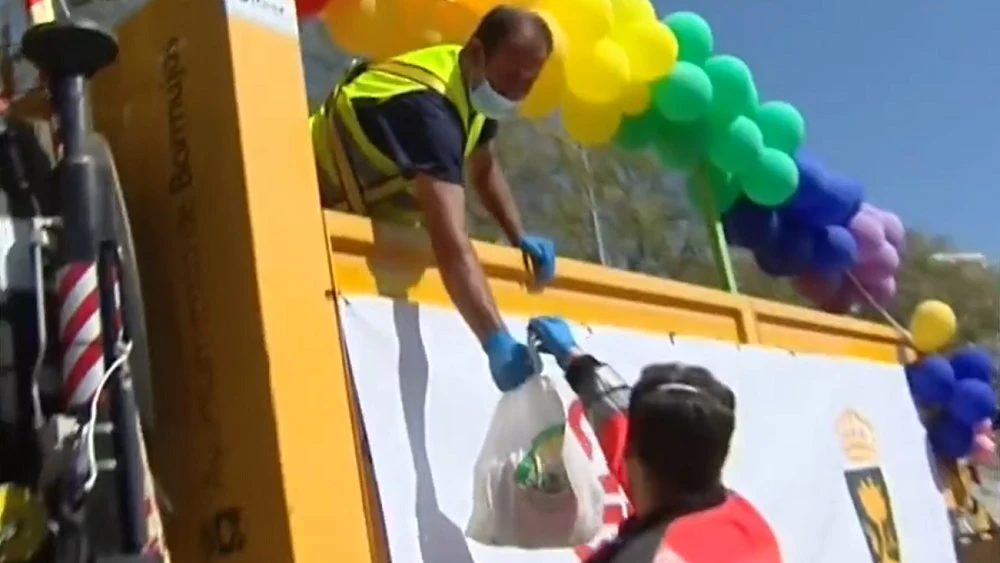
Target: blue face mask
(491,103)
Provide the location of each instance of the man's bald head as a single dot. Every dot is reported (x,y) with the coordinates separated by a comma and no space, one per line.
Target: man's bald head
(508,23)
(510,45)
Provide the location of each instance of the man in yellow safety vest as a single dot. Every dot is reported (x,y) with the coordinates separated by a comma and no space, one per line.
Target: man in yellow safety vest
(392,139)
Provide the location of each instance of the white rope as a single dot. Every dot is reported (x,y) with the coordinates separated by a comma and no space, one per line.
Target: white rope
(905,334)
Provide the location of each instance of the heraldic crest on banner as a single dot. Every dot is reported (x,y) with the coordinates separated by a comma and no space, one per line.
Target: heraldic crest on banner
(867,487)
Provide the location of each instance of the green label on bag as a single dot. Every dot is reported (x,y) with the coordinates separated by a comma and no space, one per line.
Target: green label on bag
(542,466)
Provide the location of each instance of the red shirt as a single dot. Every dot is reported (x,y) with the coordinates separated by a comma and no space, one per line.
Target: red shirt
(732,532)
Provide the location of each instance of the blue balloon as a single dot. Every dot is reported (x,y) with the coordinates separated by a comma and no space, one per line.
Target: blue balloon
(771,263)
(795,247)
(932,381)
(972,402)
(972,362)
(812,176)
(822,199)
(834,249)
(843,198)
(950,438)
(750,225)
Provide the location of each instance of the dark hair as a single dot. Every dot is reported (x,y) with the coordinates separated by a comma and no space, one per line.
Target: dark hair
(681,421)
(502,21)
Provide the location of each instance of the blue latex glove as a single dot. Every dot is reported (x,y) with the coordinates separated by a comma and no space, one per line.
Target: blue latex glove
(510,362)
(542,253)
(555,337)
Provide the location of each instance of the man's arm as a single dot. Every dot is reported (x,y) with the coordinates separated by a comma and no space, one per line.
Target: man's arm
(443,206)
(605,398)
(422,132)
(494,191)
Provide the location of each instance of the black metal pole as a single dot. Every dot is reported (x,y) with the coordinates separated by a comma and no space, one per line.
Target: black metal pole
(69,53)
(123,413)
(79,189)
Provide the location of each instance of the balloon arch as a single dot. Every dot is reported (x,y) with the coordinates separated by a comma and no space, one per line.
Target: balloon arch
(620,75)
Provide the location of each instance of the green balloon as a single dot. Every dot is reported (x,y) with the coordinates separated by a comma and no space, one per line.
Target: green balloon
(737,146)
(733,90)
(723,187)
(694,36)
(772,179)
(685,94)
(682,146)
(782,126)
(637,132)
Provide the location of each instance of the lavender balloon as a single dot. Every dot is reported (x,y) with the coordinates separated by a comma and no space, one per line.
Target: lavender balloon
(869,233)
(882,290)
(895,233)
(883,264)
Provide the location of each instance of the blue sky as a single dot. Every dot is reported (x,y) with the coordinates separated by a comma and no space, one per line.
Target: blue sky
(901,94)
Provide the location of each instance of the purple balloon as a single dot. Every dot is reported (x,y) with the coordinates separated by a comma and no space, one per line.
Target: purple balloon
(883,264)
(894,231)
(834,250)
(881,290)
(817,287)
(868,233)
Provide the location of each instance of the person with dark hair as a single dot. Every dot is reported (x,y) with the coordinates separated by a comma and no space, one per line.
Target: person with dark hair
(666,440)
(393,139)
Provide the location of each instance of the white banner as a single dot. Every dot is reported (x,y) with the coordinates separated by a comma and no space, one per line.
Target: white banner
(829,450)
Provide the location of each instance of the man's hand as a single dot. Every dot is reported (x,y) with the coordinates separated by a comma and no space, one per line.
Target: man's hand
(497,199)
(542,254)
(510,362)
(556,338)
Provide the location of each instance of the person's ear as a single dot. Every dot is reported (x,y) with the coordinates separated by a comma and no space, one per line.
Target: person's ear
(476,60)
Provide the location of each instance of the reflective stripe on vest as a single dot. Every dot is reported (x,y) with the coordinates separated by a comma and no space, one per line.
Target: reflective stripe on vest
(344,154)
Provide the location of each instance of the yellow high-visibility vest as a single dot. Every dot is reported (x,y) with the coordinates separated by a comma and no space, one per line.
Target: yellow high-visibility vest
(357,176)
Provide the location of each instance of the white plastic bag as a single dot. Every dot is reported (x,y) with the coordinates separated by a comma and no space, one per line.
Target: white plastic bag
(534,489)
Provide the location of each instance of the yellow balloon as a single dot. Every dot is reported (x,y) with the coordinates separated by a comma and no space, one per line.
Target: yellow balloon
(480,7)
(558,34)
(635,99)
(455,21)
(589,124)
(547,91)
(932,325)
(348,24)
(651,48)
(597,72)
(627,11)
(582,20)
(351,23)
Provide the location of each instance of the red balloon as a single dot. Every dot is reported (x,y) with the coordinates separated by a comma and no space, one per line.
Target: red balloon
(309,8)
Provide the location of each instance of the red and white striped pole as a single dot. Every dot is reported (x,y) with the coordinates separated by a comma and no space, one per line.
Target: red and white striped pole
(80,331)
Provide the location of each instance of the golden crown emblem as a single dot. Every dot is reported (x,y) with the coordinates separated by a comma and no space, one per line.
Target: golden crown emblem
(857,439)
